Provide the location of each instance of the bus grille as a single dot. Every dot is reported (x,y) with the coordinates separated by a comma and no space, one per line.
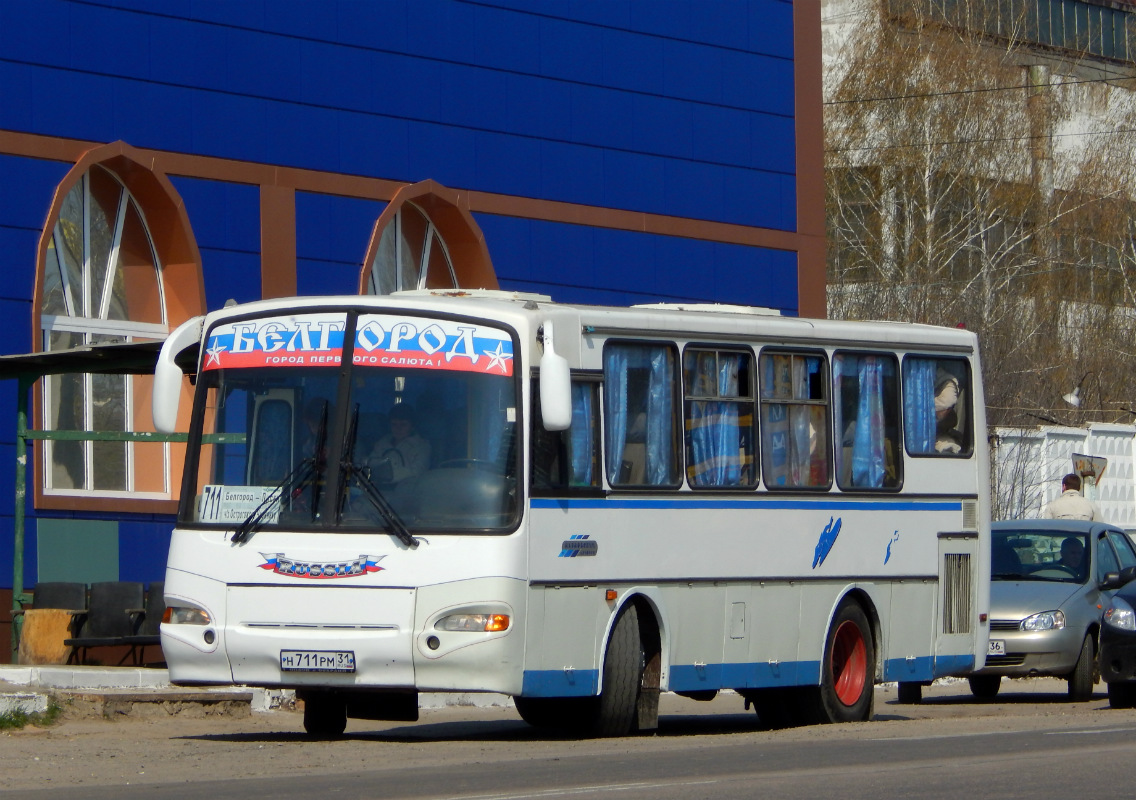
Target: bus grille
(956,593)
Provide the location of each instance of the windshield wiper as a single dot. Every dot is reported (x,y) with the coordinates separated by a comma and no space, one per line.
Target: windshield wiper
(307,471)
(370,491)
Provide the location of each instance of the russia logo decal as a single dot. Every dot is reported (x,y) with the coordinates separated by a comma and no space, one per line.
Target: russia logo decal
(282,565)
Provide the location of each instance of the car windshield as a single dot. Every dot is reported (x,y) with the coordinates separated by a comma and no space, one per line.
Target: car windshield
(418,435)
(1033,555)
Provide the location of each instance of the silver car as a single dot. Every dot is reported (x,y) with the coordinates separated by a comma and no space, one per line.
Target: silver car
(1047,591)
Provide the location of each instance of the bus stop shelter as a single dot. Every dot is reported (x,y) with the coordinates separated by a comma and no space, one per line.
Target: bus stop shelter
(130,358)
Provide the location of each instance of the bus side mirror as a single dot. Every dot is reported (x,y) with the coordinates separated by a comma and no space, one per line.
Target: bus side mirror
(555,385)
(168,375)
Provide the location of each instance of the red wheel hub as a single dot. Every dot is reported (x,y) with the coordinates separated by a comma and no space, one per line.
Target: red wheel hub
(849,663)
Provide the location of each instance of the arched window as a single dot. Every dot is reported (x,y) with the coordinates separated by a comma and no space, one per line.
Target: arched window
(426,238)
(411,255)
(101,283)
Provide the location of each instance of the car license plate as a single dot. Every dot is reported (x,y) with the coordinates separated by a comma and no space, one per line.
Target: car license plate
(997,647)
(317,661)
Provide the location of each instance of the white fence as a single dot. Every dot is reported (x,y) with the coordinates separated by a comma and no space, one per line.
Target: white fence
(1029,464)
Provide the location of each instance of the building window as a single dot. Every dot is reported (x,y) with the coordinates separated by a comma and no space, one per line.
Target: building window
(102,283)
(411,255)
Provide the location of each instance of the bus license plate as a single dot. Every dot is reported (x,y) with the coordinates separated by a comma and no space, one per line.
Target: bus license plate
(997,647)
(317,661)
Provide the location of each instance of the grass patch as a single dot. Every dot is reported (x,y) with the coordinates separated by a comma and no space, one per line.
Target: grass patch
(15,719)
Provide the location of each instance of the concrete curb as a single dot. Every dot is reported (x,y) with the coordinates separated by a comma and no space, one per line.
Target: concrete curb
(116,691)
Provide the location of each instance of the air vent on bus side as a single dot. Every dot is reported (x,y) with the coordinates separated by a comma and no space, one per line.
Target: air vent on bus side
(970,515)
(956,593)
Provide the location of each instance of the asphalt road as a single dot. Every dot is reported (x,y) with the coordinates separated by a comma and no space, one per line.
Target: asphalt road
(1029,743)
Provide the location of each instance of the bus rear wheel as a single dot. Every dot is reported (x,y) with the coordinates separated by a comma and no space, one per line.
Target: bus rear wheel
(847,680)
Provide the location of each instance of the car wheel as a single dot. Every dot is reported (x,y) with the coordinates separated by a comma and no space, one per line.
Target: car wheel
(1122,694)
(985,687)
(910,693)
(1082,679)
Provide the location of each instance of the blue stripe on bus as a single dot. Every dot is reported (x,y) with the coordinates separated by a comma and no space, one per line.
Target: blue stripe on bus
(565,504)
(560,683)
(693,678)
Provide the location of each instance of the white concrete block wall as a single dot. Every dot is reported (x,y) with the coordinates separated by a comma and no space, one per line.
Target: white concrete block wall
(1029,465)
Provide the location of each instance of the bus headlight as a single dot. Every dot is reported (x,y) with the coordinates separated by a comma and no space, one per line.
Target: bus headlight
(185,615)
(1045,621)
(473,622)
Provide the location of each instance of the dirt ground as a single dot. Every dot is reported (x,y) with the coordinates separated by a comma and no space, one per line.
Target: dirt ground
(157,746)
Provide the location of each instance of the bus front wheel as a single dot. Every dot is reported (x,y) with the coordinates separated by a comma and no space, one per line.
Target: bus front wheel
(624,663)
(847,680)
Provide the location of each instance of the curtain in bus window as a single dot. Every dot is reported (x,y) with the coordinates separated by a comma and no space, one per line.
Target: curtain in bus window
(775,423)
(715,433)
(868,444)
(583,422)
(919,404)
(638,386)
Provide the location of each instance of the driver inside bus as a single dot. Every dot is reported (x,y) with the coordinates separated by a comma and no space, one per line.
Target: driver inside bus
(402,453)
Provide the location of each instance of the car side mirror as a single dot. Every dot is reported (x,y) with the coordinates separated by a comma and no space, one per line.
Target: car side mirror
(1115,580)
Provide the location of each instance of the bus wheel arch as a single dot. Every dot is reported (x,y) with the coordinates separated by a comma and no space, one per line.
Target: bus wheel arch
(848,666)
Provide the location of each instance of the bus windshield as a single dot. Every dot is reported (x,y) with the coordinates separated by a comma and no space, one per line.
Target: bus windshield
(421,441)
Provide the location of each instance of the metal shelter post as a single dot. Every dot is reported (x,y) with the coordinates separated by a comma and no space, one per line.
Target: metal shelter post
(19,599)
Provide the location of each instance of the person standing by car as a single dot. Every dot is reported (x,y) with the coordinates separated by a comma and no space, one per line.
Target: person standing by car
(1071,504)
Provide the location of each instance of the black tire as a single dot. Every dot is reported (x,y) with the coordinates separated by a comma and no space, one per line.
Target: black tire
(847,679)
(985,687)
(1122,694)
(1083,677)
(616,712)
(910,693)
(325,714)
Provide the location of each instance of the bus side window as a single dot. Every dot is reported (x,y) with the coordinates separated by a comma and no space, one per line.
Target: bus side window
(720,418)
(568,459)
(640,415)
(867,421)
(936,407)
(794,420)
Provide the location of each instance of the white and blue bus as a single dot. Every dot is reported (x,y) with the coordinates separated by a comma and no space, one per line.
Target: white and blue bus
(580,507)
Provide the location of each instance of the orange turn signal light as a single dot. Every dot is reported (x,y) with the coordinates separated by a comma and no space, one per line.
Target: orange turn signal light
(497,622)
(610,595)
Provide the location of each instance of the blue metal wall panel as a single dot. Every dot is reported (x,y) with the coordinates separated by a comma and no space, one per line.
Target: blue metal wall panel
(15,327)
(376,146)
(570,51)
(294,95)
(571,262)
(572,173)
(108,41)
(336,228)
(142,549)
(331,240)
(223,215)
(17,110)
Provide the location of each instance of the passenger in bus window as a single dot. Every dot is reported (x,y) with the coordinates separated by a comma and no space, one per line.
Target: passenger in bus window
(402,453)
(947,438)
